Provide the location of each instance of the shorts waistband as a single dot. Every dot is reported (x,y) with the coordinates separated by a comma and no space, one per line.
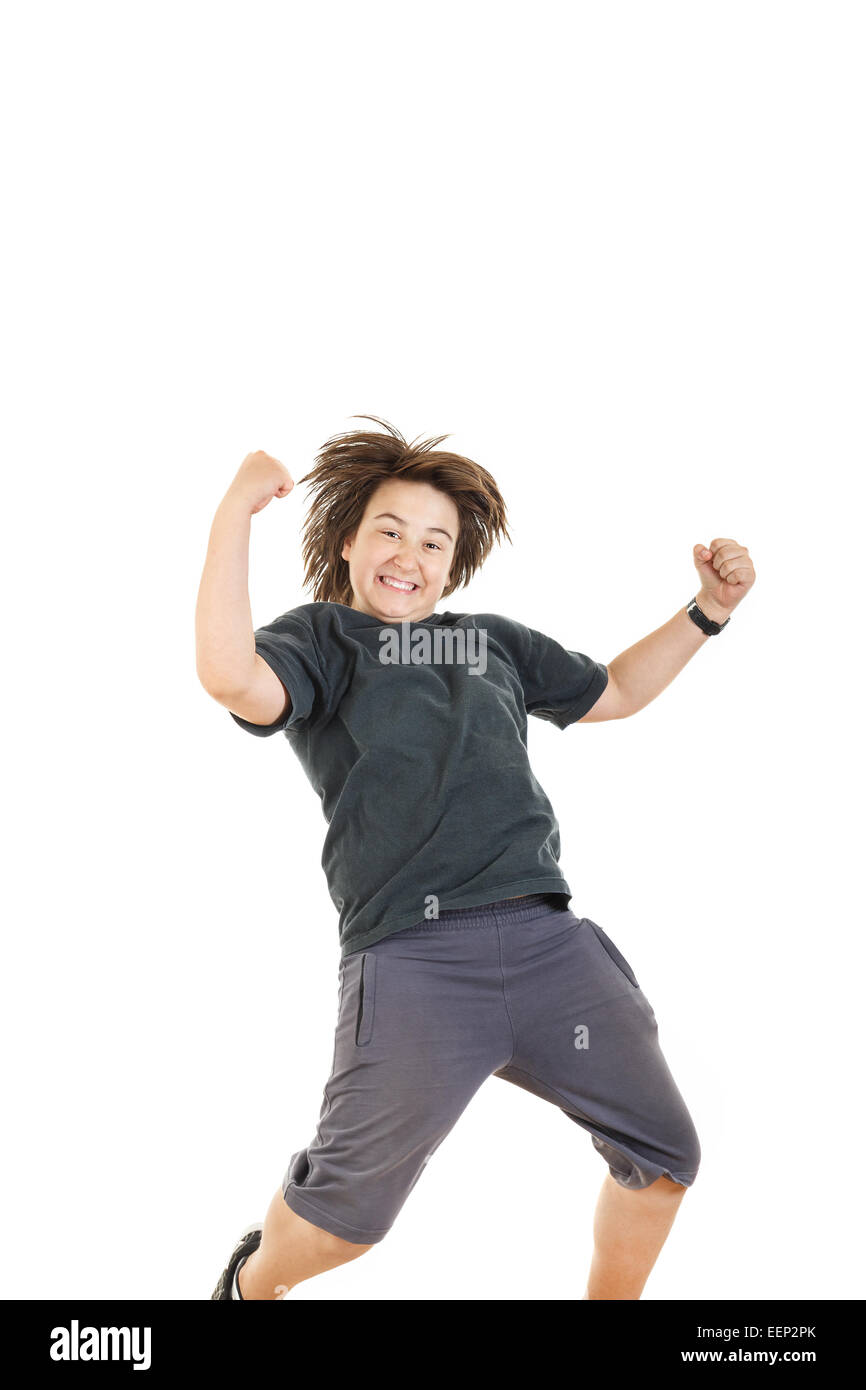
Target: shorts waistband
(521,909)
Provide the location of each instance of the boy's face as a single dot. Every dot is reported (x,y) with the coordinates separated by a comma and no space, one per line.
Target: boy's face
(415,542)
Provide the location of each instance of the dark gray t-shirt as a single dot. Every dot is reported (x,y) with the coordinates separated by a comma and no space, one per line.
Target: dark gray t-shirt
(414,737)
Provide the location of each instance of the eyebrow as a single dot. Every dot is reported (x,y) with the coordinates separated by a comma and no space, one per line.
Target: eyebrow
(402,522)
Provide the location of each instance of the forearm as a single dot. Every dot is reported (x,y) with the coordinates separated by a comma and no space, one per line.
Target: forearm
(646,669)
(225,650)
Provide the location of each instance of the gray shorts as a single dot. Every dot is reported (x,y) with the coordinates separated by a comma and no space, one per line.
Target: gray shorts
(520,989)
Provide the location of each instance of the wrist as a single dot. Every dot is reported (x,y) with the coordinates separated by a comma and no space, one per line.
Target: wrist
(236,506)
(714,611)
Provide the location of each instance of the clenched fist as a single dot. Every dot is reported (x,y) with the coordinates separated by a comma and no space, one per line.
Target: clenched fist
(726,573)
(259,479)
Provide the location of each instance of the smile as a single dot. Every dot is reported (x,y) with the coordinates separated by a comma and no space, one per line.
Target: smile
(401,585)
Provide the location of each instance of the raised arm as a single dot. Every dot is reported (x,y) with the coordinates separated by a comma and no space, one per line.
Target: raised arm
(227,663)
(638,675)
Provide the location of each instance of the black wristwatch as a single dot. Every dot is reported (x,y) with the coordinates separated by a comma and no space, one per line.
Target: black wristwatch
(704,623)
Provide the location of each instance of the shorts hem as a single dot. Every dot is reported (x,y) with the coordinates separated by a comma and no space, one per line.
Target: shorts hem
(614,1151)
(683,1179)
(301,1206)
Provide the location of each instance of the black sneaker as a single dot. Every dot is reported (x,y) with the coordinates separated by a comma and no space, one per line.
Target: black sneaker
(249,1241)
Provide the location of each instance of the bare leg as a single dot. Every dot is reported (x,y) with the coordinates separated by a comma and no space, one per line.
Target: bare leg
(630,1228)
(291,1250)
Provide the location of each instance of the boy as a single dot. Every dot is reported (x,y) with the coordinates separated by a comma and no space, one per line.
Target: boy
(460,957)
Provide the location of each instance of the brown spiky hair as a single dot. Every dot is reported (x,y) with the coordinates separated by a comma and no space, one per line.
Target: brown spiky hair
(351,466)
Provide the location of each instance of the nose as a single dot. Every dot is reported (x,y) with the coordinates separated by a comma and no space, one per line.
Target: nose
(404,562)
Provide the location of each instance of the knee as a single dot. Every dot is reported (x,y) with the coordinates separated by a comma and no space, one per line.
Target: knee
(336,1249)
(686,1157)
(290,1232)
(687,1168)
(326,1248)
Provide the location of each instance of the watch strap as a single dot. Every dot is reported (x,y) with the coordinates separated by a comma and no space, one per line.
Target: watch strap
(703,622)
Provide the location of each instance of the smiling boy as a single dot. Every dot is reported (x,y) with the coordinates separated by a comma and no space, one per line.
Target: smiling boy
(459,956)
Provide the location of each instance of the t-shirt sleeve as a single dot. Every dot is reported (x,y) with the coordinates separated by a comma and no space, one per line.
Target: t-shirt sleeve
(290,648)
(558,685)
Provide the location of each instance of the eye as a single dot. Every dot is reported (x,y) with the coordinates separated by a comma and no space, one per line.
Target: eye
(433,543)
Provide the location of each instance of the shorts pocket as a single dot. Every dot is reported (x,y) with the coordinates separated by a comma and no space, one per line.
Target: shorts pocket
(366,999)
(615,953)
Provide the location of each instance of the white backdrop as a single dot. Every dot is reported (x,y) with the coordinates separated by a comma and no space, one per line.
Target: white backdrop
(616,252)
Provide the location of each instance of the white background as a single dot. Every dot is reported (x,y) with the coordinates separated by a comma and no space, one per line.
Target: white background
(615,251)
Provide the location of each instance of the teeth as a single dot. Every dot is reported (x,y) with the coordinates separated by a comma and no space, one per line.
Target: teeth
(396,583)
